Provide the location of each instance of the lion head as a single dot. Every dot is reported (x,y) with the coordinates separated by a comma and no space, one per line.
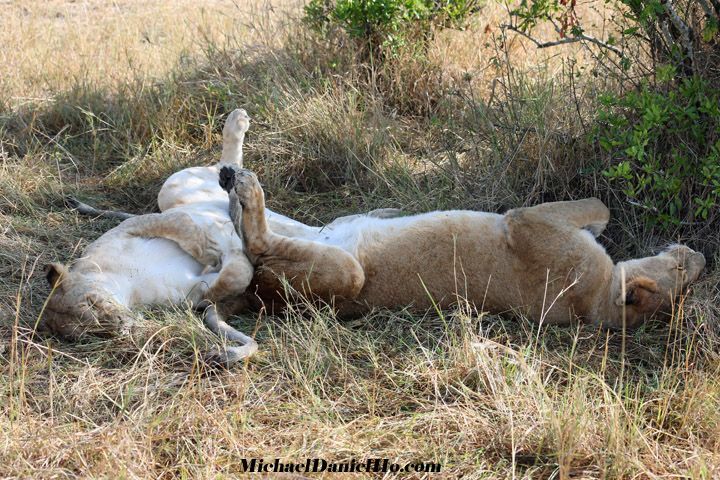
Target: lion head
(653,283)
(77,306)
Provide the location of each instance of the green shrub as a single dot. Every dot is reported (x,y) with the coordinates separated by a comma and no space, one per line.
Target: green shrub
(678,32)
(662,136)
(384,26)
(665,146)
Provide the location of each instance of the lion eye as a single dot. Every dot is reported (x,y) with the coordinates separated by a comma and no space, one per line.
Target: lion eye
(680,267)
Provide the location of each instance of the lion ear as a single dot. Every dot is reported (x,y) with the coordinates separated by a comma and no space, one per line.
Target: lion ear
(55,273)
(638,291)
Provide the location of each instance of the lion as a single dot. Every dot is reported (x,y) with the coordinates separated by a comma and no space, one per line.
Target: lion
(543,262)
(189,253)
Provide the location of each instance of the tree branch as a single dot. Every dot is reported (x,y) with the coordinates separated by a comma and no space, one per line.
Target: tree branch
(682,28)
(706,8)
(574,39)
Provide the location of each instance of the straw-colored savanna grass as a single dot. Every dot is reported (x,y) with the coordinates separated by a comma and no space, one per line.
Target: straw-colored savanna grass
(104,100)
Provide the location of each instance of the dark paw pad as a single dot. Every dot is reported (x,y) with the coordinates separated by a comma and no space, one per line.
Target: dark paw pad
(216,358)
(227,178)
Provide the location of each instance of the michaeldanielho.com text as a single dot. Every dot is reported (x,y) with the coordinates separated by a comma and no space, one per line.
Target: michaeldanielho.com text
(318,465)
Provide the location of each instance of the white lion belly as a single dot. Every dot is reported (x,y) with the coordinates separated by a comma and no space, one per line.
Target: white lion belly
(196,190)
(154,271)
(353,234)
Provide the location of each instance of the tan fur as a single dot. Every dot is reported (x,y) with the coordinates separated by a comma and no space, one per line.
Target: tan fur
(309,267)
(541,261)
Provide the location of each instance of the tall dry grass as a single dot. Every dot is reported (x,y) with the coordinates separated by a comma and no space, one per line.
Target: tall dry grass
(105,100)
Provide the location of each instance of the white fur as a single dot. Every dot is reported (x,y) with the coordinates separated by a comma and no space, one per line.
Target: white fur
(194,247)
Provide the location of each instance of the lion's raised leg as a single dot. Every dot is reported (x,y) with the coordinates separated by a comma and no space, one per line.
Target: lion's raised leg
(309,267)
(236,124)
(588,214)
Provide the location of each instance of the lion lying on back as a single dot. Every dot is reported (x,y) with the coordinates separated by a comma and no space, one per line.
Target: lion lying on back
(188,254)
(541,261)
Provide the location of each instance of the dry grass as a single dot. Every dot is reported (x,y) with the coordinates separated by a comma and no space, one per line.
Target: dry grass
(56,45)
(107,99)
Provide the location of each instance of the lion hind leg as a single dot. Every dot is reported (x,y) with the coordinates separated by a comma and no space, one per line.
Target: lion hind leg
(311,267)
(588,214)
(236,124)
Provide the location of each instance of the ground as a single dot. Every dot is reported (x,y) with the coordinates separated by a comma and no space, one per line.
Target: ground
(104,100)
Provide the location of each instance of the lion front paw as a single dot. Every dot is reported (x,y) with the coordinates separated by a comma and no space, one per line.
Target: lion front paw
(211,254)
(198,295)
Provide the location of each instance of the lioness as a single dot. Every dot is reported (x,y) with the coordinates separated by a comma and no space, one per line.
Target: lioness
(188,253)
(541,261)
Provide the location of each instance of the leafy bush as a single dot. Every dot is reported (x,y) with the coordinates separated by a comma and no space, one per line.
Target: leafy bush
(384,26)
(666,143)
(662,136)
(677,32)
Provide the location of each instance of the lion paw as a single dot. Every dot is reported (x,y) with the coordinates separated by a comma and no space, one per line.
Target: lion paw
(198,294)
(224,357)
(227,178)
(211,254)
(247,188)
(236,124)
